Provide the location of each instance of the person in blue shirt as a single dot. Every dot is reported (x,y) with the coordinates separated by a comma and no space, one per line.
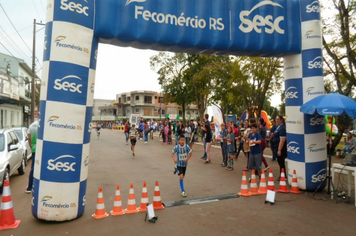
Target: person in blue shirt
(273,147)
(184,153)
(279,141)
(254,140)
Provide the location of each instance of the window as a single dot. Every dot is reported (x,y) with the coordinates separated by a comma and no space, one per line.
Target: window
(155,110)
(137,110)
(128,98)
(9,140)
(180,113)
(163,112)
(137,98)
(148,99)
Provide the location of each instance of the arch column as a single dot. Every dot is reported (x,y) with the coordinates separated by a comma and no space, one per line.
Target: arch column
(303,75)
(66,103)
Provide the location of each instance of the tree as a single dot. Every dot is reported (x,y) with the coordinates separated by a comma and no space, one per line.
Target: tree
(170,69)
(254,79)
(202,75)
(339,41)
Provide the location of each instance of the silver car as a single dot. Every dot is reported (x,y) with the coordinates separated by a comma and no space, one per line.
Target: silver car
(11,155)
(22,133)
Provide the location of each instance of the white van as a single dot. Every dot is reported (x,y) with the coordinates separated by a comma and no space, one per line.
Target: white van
(135,119)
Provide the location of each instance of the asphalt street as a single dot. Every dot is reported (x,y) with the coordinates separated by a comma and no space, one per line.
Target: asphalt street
(111,163)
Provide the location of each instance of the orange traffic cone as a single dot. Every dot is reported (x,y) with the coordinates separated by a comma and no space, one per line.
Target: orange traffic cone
(7,216)
(283,183)
(131,203)
(244,188)
(144,198)
(100,207)
(294,187)
(157,202)
(117,209)
(253,185)
(263,184)
(270,185)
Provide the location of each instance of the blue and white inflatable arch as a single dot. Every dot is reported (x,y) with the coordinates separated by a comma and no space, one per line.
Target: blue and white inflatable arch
(288,28)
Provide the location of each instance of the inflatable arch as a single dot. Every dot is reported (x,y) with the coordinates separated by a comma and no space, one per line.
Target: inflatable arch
(283,28)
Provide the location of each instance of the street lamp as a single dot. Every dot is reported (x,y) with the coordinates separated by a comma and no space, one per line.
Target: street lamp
(33,71)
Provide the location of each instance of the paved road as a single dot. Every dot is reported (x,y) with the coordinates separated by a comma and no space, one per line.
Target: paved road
(111,163)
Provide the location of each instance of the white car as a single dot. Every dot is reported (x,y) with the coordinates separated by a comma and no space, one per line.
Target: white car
(11,155)
(22,133)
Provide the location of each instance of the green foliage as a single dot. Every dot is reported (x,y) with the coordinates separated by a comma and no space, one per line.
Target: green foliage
(254,79)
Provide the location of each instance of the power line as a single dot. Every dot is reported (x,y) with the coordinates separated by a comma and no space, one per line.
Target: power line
(10,52)
(13,43)
(15,28)
(36,9)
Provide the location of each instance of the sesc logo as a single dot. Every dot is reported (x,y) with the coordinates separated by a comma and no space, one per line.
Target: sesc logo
(313,7)
(293,147)
(317,120)
(58,165)
(86,161)
(62,84)
(291,93)
(92,88)
(317,63)
(270,25)
(130,1)
(318,177)
(72,6)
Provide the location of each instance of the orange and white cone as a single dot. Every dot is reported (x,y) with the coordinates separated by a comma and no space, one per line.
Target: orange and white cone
(283,183)
(117,209)
(157,202)
(144,198)
(270,184)
(253,185)
(7,216)
(294,187)
(263,184)
(131,203)
(244,188)
(100,207)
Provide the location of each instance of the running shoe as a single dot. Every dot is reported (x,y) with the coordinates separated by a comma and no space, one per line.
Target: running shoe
(267,168)
(183,194)
(175,170)
(28,191)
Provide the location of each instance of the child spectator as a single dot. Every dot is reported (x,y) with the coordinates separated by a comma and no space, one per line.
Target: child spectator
(230,147)
(254,140)
(223,144)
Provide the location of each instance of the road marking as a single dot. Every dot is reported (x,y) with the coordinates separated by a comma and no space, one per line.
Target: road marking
(201,200)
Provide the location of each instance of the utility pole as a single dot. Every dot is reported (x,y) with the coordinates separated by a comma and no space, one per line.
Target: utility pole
(33,73)
(33,89)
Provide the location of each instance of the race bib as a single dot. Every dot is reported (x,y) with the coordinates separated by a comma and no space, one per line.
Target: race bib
(182,156)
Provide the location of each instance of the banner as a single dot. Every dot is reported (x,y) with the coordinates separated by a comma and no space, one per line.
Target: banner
(250,27)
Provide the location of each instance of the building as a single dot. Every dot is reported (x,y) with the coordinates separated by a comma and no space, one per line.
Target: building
(149,104)
(15,91)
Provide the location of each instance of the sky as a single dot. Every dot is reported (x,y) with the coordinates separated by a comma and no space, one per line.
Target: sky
(118,69)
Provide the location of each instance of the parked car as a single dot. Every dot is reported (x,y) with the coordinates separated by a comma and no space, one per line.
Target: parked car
(22,133)
(11,155)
